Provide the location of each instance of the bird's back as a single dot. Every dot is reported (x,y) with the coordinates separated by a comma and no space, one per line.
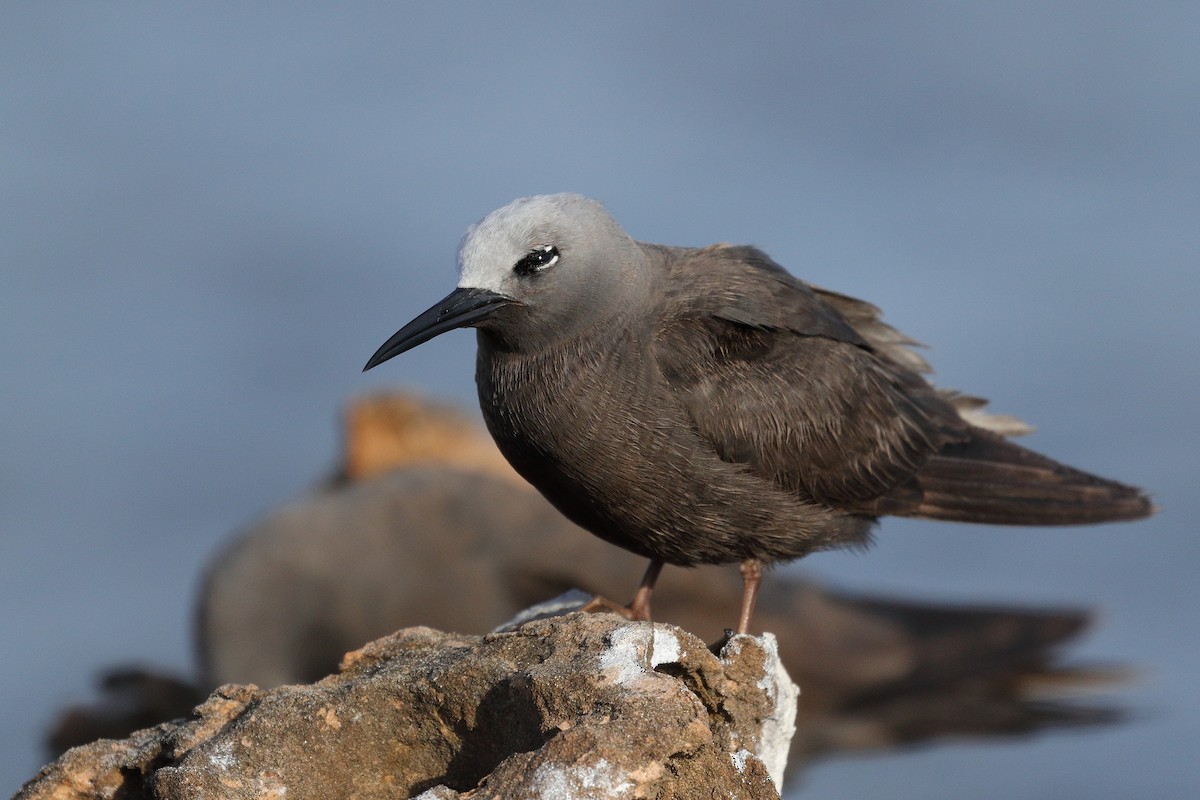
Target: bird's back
(815,393)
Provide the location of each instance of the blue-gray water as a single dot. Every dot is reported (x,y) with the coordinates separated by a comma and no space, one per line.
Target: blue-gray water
(211,214)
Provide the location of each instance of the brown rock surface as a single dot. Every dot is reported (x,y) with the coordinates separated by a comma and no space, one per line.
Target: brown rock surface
(579,706)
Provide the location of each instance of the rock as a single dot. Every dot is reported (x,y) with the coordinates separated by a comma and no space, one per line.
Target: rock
(386,430)
(580,706)
(131,698)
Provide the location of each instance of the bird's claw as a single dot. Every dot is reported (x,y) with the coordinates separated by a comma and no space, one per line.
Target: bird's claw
(602,605)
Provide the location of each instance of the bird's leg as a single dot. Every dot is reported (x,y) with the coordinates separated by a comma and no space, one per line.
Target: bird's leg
(751,576)
(639,606)
(638,609)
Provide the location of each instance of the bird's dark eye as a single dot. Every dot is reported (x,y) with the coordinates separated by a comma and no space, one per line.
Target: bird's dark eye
(539,258)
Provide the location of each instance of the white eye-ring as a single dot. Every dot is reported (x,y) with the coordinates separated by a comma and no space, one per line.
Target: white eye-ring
(537,260)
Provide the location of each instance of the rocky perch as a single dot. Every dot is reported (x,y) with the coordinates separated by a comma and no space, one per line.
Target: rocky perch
(576,706)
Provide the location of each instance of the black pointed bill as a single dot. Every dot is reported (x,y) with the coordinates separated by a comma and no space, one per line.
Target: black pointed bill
(459,309)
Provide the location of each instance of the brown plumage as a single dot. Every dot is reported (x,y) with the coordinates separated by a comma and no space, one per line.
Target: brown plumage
(704,406)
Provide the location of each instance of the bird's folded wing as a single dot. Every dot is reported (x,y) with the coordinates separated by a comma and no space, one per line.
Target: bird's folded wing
(781,383)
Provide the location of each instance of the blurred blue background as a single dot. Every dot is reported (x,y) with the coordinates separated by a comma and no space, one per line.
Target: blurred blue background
(213,213)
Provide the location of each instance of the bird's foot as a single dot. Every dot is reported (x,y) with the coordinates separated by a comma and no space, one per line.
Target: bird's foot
(638,609)
(603,605)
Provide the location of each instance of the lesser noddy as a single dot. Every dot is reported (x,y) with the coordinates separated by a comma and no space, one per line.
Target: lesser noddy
(702,405)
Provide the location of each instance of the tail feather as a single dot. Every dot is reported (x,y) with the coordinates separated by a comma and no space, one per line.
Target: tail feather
(993,481)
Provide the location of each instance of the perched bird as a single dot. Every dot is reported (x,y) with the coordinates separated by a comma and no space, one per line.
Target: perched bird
(702,405)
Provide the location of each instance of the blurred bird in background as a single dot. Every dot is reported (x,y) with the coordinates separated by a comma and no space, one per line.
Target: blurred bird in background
(424,523)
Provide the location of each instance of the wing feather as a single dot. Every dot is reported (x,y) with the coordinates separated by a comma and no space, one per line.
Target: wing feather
(811,390)
(775,378)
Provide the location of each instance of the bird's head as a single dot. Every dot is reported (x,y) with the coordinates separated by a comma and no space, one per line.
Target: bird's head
(536,271)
